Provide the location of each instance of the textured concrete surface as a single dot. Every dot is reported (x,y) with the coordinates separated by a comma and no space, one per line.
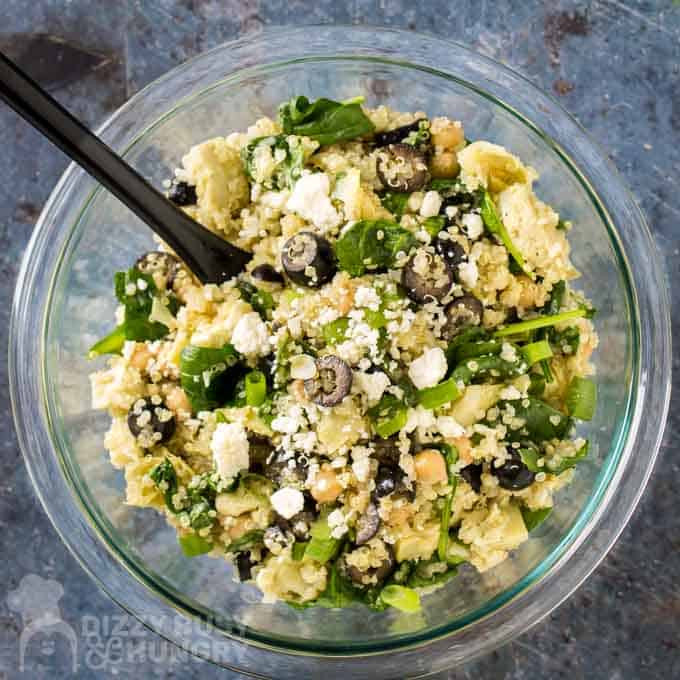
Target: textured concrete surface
(615,64)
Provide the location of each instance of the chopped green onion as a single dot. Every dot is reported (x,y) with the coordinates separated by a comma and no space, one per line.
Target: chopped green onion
(532,518)
(494,224)
(375,319)
(402,598)
(193,545)
(299,550)
(537,351)
(434,397)
(540,322)
(433,225)
(389,416)
(581,398)
(335,332)
(322,547)
(256,388)
(111,344)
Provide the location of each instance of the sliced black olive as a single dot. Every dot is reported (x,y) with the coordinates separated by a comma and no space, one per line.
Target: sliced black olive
(279,470)
(513,475)
(244,565)
(386,480)
(156,261)
(265,272)
(427,277)
(332,383)
(397,135)
(260,451)
(402,167)
(151,422)
(370,576)
(472,474)
(453,253)
(367,525)
(308,259)
(464,311)
(183,193)
(387,451)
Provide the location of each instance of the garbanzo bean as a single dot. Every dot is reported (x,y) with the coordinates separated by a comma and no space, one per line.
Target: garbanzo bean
(444,164)
(430,466)
(446,134)
(326,487)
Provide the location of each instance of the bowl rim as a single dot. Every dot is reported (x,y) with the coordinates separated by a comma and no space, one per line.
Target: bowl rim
(73,176)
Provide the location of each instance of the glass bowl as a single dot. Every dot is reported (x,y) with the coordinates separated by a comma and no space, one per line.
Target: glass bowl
(64,302)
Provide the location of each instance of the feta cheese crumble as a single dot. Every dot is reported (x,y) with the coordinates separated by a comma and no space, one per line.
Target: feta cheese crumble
(373,385)
(310,199)
(251,335)
(229,446)
(429,368)
(287,502)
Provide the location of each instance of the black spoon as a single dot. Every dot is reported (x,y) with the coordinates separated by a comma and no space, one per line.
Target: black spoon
(209,257)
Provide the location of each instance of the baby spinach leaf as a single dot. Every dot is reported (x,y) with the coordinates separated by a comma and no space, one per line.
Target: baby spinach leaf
(260,300)
(275,161)
(209,375)
(372,243)
(194,545)
(324,120)
(532,518)
(395,202)
(165,479)
(568,462)
(540,421)
(249,540)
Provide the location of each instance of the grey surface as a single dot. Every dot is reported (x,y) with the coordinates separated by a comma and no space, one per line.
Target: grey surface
(615,64)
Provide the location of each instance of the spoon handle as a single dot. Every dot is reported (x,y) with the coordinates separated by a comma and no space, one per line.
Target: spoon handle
(209,257)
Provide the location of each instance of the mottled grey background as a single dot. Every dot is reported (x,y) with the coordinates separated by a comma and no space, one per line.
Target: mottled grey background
(615,64)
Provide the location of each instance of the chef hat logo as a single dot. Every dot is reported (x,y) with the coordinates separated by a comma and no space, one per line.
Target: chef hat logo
(36,600)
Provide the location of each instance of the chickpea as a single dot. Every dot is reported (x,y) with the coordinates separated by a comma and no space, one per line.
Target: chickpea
(444,165)
(326,487)
(463,445)
(176,400)
(141,357)
(446,134)
(430,466)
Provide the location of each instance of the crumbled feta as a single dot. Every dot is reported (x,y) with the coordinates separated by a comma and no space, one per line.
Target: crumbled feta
(448,426)
(510,392)
(229,446)
(468,273)
(366,296)
(310,199)
(419,417)
(285,424)
(274,199)
(508,352)
(432,202)
(337,523)
(429,368)
(473,225)
(250,335)
(287,502)
(371,384)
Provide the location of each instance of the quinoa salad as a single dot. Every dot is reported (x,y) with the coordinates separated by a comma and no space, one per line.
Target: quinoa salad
(388,393)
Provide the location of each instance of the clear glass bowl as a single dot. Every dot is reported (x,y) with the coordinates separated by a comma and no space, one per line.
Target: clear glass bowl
(64,301)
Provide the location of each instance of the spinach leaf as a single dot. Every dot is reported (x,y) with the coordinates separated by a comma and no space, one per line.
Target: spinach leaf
(246,542)
(389,415)
(209,375)
(260,300)
(532,518)
(570,462)
(540,421)
(136,292)
(194,545)
(395,202)
(275,161)
(165,479)
(322,547)
(324,120)
(567,340)
(372,243)
(433,225)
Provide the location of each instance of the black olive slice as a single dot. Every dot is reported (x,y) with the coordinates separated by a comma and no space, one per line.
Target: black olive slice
(308,259)
(267,273)
(332,382)
(397,135)
(183,193)
(403,168)
(427,277)
(151,422)
(373,574)
(386,480)
(453,253)
(367,525)
(472,474)
(513,475)
(279,470)
(244,565)
(463,312)
(157,261)
(259,452)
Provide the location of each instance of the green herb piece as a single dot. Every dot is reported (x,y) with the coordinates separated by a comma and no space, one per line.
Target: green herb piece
(372,244)
(246,542)
(451,457)
(274,160)
(540,322)
(563,225)
(335,332)
(537,384)
(566,340)
(389,415)
(420,138)
(260,300)
(443,393)
(136,292)
(199,515)
(402,598)
(209,375)
(109,344)
(581,398)
(540,421)
(532,518)
(298,551)
(433,225)
(256,388)
(569,461)
(194,545)
(324,120)
(322,547)
(494,224)
(457,552)
(489,366)
(339,593)
(530,456)
(395,202)
(537,351)
(430,572)
(164,477)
